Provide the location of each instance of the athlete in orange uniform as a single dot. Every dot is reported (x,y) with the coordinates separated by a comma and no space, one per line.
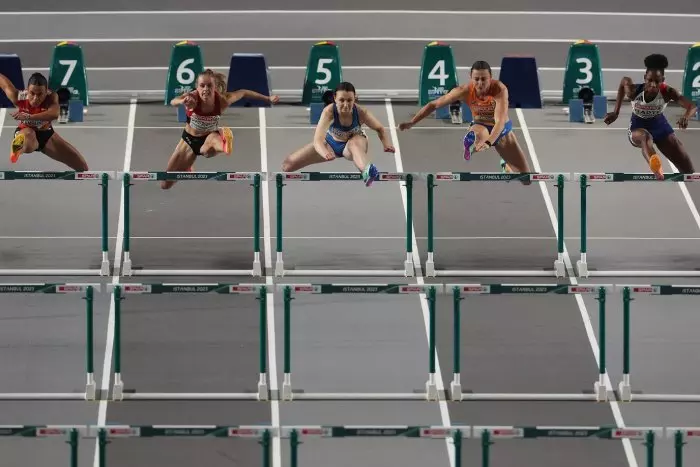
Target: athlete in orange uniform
(37,107)
(202,134)
(488,100)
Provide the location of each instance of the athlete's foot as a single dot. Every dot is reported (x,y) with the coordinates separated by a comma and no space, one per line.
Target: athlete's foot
(17,145)
(227,139)
(656,167)
(370,174)
(469,140)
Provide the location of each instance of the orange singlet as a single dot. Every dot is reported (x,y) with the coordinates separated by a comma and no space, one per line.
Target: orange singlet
(483,108)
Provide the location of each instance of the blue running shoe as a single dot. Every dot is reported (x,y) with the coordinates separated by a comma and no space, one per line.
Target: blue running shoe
(370,174)
(469,140)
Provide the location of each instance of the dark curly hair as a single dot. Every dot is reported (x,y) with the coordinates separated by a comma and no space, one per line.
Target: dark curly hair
(656,62)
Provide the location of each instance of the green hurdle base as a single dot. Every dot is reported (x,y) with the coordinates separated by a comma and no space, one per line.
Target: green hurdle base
(127,268)
(558,270)
(582,267)
(102,178)
(408,265)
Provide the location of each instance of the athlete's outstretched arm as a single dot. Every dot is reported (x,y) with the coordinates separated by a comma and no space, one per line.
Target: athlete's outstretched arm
(452,96)
(8,88)
(235,96)
(189,99)
(690,108)
(626,88)
(371,121)
(324,122)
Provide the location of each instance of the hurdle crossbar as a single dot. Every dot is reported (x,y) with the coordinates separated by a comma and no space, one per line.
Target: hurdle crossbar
(408,267)
(429,290)
(117,290)
(254,177)
(61,289)
(625,388)
(582,266)
(600,391)
(559,178)
(102,178)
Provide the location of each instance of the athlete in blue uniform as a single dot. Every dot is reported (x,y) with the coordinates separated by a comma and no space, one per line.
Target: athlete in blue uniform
(339,133)
(648,125)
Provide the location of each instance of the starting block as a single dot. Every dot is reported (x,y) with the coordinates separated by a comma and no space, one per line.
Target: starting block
(579,114)
(438,75)
(185,64)
(691,76)
(249,71)
(521,77)
(324,72)
(11,66)
(68,78)
(583,70)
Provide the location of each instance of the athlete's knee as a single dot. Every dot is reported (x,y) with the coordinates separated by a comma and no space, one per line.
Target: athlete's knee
(287,165)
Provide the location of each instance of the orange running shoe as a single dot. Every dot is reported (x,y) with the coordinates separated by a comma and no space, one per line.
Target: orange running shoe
(17,144)
(655,166)
(227,138)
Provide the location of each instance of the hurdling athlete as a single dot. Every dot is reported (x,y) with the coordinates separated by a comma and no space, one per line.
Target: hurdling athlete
(202,135)
(37,107)
(648,125)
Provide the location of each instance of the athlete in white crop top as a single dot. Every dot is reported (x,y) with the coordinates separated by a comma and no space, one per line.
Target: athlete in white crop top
(648,125)
(202,134)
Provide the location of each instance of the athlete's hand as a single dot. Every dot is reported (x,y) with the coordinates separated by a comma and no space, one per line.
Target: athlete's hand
(21,115)
(189,102)
(329,156)
(610,117)
(683,122)
(389,148)
(480,146)
(274,99)
(405,126)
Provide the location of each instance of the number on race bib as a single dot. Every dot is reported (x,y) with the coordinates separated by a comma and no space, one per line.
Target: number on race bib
(696,81)
(438,72)
(71,64)
(321,69)
(185,75)
(586,69)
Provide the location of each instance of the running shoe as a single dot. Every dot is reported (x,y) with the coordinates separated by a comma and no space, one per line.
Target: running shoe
(227,138)
(656,167)
(469,140)
(370,174)
(17,145)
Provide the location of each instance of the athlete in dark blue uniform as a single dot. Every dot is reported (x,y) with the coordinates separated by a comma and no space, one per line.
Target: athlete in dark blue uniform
(648,125)
(339,133)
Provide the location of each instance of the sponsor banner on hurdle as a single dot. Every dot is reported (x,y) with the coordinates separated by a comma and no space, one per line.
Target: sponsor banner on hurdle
(615,177)
(88,292)
(628,291)
(282,177)
(102,178)
(119,290)
(255,180)
(430,290)
(496,177)
(457,291)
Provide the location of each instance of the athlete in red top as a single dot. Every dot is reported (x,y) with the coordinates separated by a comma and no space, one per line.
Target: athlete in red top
(487,99)
(202,134)
(37,107)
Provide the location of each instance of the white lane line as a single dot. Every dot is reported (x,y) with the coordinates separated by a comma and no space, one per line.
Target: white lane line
(509,40)
(369,237)
(593,341)
(109,345)
(444,412)
(347,12)
(272,339)
(688,198)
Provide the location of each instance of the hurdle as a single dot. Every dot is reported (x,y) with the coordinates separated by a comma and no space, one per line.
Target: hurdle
(582,267)
(625,388)
(599,393)
(61,289)
(430,393)
(103,179)
(70,432)
(558,270)
(255,177)
(280,177)
(118,391)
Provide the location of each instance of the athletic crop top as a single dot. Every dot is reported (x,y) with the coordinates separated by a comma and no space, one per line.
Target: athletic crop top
(344,133)
(483,108)
(24,106)
(205,122)
(656,107)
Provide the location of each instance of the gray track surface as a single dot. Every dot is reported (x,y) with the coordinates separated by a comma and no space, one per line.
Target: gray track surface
(209,343)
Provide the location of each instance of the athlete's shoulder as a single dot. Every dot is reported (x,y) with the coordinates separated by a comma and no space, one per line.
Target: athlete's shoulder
(497,87)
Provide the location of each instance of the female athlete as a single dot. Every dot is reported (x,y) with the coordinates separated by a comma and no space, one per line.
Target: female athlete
(648,125)
(487,99)
(339,133)
(202,134)
(37,107)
